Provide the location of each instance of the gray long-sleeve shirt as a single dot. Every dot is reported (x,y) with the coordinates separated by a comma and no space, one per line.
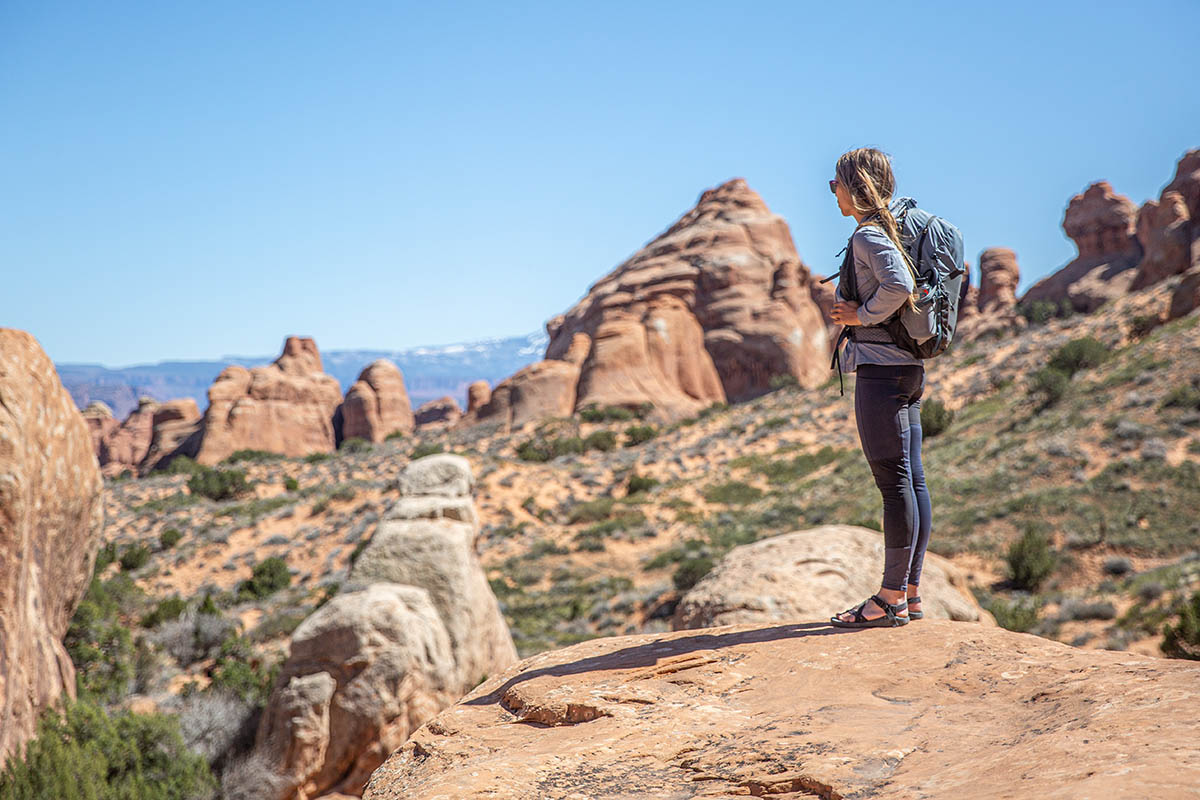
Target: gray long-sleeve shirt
(886,283)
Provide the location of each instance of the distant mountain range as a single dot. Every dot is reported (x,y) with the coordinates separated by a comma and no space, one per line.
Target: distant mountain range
(429,372)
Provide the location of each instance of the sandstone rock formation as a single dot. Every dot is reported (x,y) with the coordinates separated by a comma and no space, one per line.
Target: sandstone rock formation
(100,421)
(415,628)
(813,574)
(935,709)
(1169,228)
(994,310)
(1186,297)
(173,422)
(478,395)
(1101,223)
(377,404)
(710,310)
(286,407)
(51,519)
(443,411)
(125,445)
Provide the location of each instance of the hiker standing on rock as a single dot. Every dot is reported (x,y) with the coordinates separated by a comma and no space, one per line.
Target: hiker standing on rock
(890,380)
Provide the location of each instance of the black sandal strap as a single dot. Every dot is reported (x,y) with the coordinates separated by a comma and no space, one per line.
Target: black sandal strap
(888,608)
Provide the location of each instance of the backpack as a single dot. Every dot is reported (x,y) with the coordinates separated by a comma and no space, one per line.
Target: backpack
(935,247)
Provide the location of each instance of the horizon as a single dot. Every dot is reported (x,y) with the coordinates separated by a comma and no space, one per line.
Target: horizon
(188,181)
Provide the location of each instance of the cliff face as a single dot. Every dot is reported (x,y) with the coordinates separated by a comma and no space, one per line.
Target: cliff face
(50,525)
(935,709)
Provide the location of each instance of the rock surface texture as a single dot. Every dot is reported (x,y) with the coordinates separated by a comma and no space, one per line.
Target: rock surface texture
(51,519)
(377,404)
(1169,228)
(1102,225)
(416,627)
(934,709)
(709,311)
(813,574)
(286,407)
(442,411)
(992,309)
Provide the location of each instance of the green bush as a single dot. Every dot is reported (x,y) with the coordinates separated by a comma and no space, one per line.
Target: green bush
(1079,354)
(636,434)
(641,483)
(593,412)
(394,435)
(732,493)
(591,511)
(425,449)
(784,381)
(183,465)
(134,557)
(600,440)
(1049,384)
(1030,560)
(935,417)
(218,484)
(98,642)
(1183,639)
(85,754)
(166,610)
(255,456)
(105,556)
(316,458)
(267,577)
(239,671)
(169,538)
(714,408)
(343,493)
(290,484)
(1018,615)
(355,444)
(1183,396)
(690,571)
(1041,311)
(540,450)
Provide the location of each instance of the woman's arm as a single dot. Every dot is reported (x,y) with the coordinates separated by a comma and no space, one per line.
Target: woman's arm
(873,247)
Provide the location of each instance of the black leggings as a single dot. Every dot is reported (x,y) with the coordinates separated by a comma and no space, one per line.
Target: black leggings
(887,406)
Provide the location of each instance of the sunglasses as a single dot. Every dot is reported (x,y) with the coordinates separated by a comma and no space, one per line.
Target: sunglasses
(833,186)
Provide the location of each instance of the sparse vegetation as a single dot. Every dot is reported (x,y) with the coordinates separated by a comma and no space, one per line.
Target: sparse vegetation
(316,458)
(268,576)
(355,444)
(1039,312)
(600,440)
(591,511)
(253,456)
(169,538)
(732,493)
(290,484)
(935,417)
(1030,560)
(218,484)
(640,483)
(1182,640)
(134,557)
(1049,385)
(426,449)
(1079,354)
(636,434)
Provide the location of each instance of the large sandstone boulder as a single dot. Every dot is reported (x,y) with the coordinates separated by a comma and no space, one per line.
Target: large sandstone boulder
(813,574)
(125,446)
(935,709)
(51,519)
(1102,225)
(377,404)
(363,672)
(710,310)
(286,407)
(1186,297)
(992,309)
(174,421)
(100,421)
(1169,228)
(442,411)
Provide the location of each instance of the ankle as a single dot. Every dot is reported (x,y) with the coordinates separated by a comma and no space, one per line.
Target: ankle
(913,590)
(893,596)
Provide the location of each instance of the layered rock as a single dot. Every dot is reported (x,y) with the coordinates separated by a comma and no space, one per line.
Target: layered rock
(415,628)
(1102,225)
(51,520)
(100,421)
(478,395)
(710,310)
(125,445)
(1168,229)
(286,407)
(935,709)
(812,574)
(993,308)
(377,404)
(173,422)
(443,411)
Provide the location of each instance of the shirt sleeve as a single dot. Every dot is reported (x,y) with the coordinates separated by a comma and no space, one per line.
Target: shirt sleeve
(876,251)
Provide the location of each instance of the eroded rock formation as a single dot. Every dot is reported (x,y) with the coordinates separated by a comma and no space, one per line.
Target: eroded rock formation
(51,519)
(443,411)
(1169,228)
(812,574)
(377,404)
(710,310)
(936,709)
(992,310)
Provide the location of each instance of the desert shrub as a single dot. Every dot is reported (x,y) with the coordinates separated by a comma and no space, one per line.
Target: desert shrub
(167,609)
(86,754)
(426,449)
(714,408)
(935,417)
(169,538)
(212,723)
(600,440)
(641,483)
(343,493)
(591,511)
(193,636)
(316,458)
(1041,311)
(1049,385)
(105,556)
(1079,354)
(394,435)
(253,456)
(1018,614)
(1140,325)
(268,576)
(546,449)
(1030,560)
(134,557)
(593,412)
(732,493)
(240,672)
(99,643)
(784,381)
(319,507)
(290,484)
(1182,640)
(183,465)
(1183,396)
(690,571)
(218,484)
(636,434)
(355,444)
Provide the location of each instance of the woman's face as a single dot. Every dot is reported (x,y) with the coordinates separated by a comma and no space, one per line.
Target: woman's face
(843,199)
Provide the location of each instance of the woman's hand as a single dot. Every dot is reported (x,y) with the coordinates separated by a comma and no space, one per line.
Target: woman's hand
(845,313)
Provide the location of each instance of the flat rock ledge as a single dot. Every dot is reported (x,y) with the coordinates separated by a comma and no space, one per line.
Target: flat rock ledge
(935,709)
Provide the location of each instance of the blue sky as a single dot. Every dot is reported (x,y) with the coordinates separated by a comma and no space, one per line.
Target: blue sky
(187,180)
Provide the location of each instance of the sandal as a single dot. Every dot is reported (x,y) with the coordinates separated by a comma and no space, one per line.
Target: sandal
(915,614)
(890,618)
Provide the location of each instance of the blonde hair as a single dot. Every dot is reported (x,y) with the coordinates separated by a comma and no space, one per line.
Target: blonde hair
(867,175)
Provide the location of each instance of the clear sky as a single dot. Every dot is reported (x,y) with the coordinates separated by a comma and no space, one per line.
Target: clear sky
(188,180)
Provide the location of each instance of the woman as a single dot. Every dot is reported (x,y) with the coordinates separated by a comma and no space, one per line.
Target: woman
(887,391)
